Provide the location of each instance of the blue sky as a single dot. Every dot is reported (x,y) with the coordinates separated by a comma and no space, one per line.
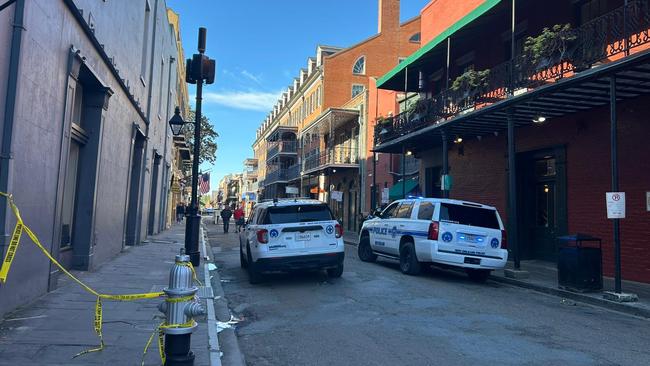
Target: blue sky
(259,46)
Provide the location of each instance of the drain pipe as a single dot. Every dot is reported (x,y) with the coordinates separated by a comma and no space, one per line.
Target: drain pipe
(10,109)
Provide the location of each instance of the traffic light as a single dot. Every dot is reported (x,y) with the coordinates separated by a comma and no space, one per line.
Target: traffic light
(200,67)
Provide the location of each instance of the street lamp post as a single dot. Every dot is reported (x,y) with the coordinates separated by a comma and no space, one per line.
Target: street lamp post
(199,68)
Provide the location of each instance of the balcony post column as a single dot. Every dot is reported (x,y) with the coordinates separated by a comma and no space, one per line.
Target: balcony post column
(373,190)
(448,62)
(445,164)
(403,171)
(614,157)
(512,191)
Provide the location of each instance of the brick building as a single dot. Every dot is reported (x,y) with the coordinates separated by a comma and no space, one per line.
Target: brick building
(534,131)
(325,111)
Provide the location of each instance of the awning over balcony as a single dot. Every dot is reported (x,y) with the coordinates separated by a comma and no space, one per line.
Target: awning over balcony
(396,191)
(394,79)
(584,91)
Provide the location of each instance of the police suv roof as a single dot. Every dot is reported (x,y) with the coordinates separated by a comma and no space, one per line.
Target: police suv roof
(447,200)
(289,202)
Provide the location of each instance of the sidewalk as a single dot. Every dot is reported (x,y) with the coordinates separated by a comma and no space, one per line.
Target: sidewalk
(55,327)
(543,278)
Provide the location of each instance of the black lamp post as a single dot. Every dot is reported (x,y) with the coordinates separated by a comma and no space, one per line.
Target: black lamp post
(198,69)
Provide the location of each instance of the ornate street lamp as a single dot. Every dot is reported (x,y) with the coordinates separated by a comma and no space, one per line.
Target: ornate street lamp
(177,122)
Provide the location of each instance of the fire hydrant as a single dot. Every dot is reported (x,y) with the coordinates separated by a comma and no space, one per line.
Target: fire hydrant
(180,307)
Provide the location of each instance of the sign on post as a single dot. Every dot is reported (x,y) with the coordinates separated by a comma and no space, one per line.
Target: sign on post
(384,195)
(615,205)
(647,201)
(337,196)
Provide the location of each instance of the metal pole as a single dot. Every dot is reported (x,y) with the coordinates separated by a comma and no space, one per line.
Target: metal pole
(403,171)
(445,162)
(193,217)
(448,62)
(614,153)
(373,191)
(512,190)
(512,48)
(627,36)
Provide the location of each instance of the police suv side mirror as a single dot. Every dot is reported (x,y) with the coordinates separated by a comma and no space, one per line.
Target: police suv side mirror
(377,213)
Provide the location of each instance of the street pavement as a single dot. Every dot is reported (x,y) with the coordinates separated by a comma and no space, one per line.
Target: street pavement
(375,315)
(52,329)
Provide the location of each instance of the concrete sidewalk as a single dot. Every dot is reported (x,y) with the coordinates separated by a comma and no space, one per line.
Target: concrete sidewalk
(543,278)
(55,327)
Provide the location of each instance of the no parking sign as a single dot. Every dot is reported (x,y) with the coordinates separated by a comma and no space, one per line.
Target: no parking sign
(615,205)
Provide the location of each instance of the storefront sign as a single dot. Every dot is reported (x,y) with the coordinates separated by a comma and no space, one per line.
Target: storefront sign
(385,195)
(615,205)
(292,190)
(446,182)
(647,201)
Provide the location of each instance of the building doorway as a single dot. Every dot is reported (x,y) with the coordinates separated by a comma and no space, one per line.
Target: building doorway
(154,193)
(132,220)
(542,204)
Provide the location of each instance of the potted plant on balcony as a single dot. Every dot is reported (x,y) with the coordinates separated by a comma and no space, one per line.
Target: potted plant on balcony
(471,81)
(551,47)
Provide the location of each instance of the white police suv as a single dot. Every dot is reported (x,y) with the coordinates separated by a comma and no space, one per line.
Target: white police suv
(439,231)
(291,234)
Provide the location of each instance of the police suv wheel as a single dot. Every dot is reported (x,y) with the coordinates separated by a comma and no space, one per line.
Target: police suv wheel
(408,262)
(365,251)
(254,275)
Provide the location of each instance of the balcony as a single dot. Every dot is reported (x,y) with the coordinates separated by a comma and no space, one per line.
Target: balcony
(276,176)
(293,172)
(337,156)
(604,40)
(281,147)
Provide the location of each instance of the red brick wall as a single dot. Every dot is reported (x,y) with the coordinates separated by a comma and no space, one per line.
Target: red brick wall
(480,175)
(439,15)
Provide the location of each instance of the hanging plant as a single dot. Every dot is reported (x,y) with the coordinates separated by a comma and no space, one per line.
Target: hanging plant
(550,46)
(471,80)
(383,121)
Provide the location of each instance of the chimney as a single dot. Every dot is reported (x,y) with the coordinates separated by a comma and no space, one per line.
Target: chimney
(388,15)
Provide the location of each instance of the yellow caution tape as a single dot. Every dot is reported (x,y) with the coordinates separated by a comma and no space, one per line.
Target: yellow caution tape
(161,338)
(189,264)
(98,321)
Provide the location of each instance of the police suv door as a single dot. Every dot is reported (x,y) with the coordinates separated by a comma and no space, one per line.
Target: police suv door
(379,228)
(399,225)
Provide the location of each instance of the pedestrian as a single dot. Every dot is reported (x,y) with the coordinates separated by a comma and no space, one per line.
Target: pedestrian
(239,218)
(226,213)
(217,214)
(180,211)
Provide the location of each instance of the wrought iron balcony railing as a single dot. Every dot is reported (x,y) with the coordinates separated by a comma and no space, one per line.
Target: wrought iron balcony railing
(334,156)
(293,172)
(276,147)
(598,41)
(277,175)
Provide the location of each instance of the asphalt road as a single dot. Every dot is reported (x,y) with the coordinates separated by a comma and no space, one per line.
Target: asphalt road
(375,315)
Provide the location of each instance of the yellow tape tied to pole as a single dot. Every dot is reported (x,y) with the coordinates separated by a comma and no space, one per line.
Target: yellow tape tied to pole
(21,228)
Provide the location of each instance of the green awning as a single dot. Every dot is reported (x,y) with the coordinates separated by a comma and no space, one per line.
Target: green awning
(400,69)
(395,192)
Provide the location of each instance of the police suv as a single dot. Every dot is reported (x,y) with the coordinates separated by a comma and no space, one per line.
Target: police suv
(289,234)
(439,231)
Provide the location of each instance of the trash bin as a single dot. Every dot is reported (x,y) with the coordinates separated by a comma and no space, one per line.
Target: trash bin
(579,266)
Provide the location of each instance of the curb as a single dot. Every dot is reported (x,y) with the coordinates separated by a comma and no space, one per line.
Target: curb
(627,309)
(228,349)
(213,338)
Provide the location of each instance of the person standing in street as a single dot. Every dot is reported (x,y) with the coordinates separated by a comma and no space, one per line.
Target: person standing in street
(180,211)
(239,218)
(226,213)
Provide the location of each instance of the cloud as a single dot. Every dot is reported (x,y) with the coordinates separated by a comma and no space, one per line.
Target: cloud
(250,76)
(249,100)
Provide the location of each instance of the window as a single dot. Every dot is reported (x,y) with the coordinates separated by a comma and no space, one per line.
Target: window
(160,91)
(389,212)
(404,210)
(415,38)
(425,212)
(357,89)
(359,67)
(305,213)
(471,216)
(145,41)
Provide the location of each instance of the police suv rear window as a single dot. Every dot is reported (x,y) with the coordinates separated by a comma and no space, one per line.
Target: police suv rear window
(297,213)
(467,215)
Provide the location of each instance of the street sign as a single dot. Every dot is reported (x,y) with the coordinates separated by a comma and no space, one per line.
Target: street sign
(615,205)
(385,195)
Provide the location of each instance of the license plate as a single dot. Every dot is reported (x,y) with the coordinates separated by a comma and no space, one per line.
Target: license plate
(303,237)
(471,238)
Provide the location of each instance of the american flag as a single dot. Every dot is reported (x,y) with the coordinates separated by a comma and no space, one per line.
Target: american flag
(204,186)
